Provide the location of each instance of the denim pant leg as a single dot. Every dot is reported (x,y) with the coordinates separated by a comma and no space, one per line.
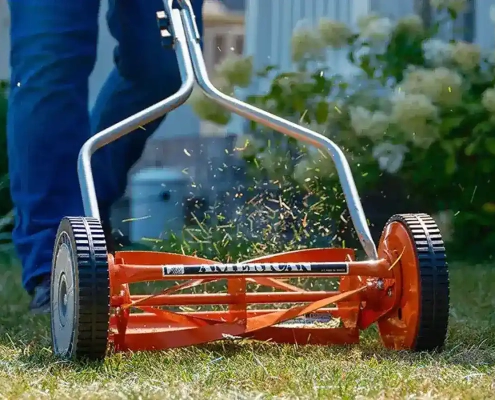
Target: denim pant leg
(53,51)
(144,74)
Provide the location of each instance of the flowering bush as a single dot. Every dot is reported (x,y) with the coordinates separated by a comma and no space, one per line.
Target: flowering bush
(414,108)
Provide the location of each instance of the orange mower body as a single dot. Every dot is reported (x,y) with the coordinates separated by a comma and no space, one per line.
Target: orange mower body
(402,285)
(405,292)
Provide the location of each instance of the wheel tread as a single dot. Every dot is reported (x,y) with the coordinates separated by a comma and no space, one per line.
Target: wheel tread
(434,280)
(94,287)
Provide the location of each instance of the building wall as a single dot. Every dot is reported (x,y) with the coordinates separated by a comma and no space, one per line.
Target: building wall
(270,25)
(475,26)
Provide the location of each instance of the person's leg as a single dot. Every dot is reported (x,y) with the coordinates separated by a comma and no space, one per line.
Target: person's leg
(53,51)
(144,74)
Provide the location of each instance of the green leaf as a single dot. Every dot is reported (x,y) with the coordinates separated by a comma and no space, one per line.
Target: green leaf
(483,128)
(486,166)
(450,123)
(350,57)
(452,13)
(265,71)
(450,165)
(367,66)
(321,112)
(490,145)
(471,148)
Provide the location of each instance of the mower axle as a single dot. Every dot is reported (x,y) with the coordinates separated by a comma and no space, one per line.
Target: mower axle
(133,273)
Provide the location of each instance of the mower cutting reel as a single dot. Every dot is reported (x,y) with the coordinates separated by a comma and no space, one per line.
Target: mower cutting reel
(402,286)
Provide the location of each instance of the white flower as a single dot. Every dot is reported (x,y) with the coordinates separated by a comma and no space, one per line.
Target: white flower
(270,105)
(315,164)
(412,24)
(438,52)
(466,55)
(390,156)
(367,123)
(318,128)
(307,44)
(207,109)
(362,51)
(490,57)
(303,171)
(364,20)
(378,30)
(413,114)
(321,162)
(335,110)
(236,70)
(488,100)
(360,118)
(274,162)
(407,105)
(457,6)
(287,82)
(334,33)
(442,85)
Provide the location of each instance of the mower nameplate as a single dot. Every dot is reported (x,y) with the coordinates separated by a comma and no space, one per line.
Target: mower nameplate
(330,268)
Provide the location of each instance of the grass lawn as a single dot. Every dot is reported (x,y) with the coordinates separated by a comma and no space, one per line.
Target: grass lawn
(466,369)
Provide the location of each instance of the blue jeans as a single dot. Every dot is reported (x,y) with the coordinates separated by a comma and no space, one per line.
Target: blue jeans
(53,52)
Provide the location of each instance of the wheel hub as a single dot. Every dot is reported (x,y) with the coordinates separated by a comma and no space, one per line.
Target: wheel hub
(63,297)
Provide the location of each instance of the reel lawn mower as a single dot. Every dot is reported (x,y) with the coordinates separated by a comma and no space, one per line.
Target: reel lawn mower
(403,285)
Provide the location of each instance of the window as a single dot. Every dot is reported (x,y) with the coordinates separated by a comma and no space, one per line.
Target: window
(225,44)
(462,29)
(239,44)
(220,41)
(219,48)
(468,21)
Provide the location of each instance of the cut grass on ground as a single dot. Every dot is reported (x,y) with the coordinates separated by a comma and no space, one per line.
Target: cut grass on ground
(465,370)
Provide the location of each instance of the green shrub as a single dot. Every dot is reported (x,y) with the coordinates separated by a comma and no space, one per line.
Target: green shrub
(416,110)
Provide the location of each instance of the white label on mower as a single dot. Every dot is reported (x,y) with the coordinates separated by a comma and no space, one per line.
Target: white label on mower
(257,268)
(235,268)
(239,268)
(174,270)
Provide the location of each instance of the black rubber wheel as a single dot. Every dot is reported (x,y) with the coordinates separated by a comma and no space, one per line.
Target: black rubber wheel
(432,281)
(80,290)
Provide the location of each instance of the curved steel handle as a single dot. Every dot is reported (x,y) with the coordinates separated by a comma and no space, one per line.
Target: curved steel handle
(281,125)
(109,135)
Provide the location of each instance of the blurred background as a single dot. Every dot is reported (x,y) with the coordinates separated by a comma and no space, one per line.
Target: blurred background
(407,88)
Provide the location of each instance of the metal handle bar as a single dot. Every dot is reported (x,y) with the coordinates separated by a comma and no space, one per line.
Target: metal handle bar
(281,125)
(128,125)
(192,67)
